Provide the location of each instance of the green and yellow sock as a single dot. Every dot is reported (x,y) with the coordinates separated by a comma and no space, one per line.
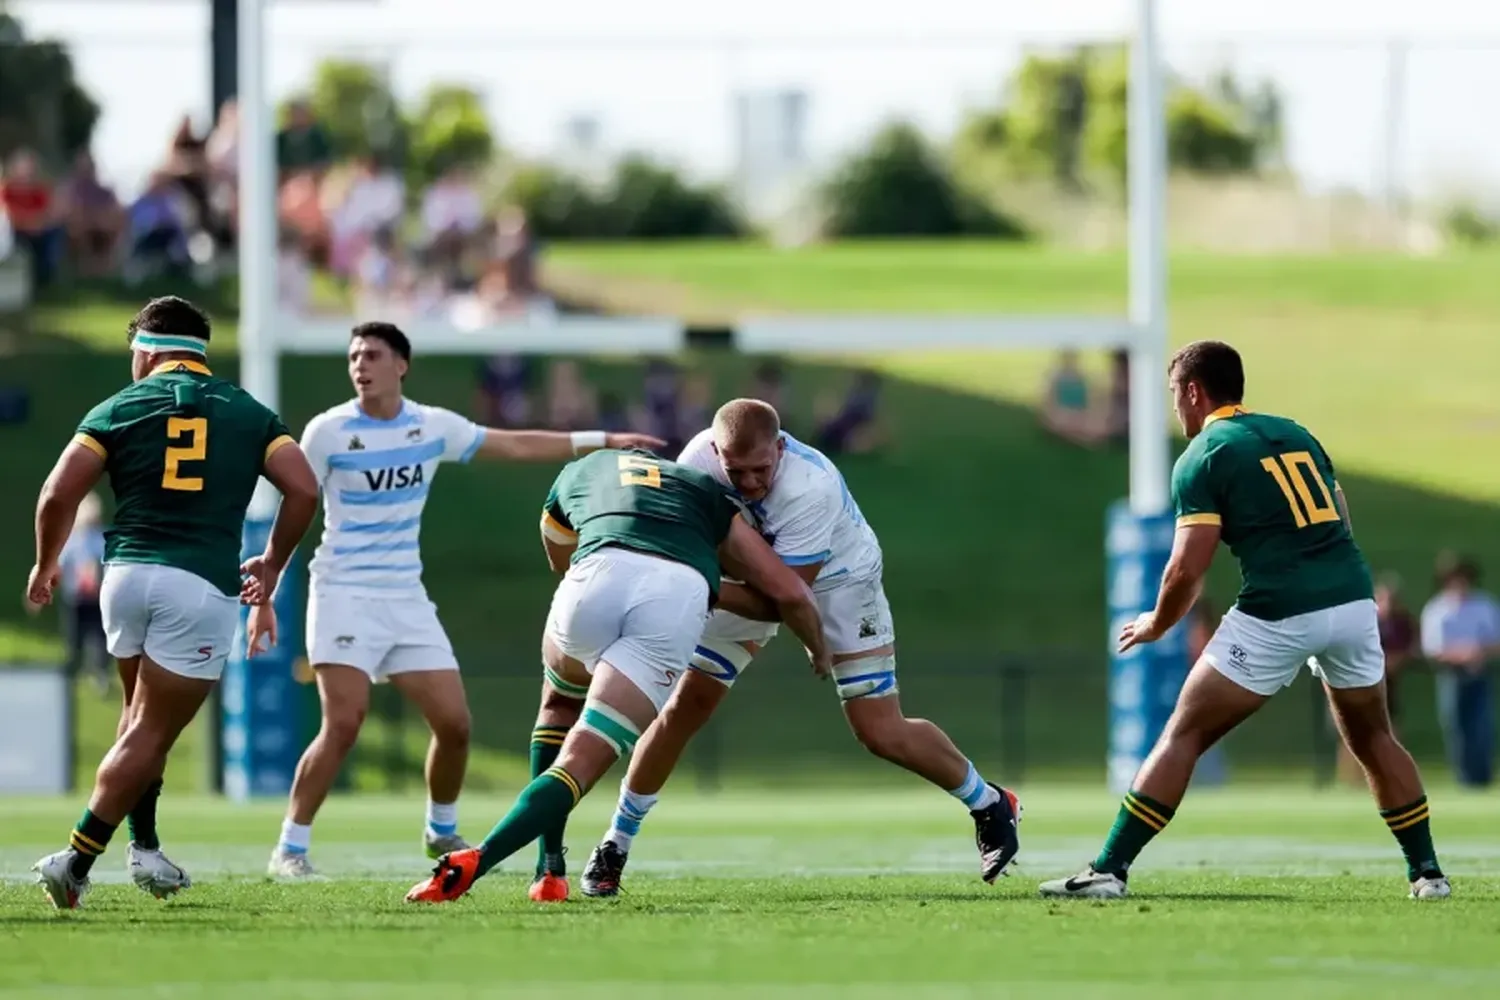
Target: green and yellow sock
(90,838)
(1411,825)
(546,743)
(542,805)
(142,819)
(1140,818)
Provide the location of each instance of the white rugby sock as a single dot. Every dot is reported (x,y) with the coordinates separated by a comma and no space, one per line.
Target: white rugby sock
(975,793)
(295,838)
(630,811)
(442,818)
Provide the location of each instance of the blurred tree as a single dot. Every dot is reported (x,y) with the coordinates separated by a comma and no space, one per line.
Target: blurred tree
(898,186)
(449,128)
(354,103)
(1066,117)
(42,105)
(644,200)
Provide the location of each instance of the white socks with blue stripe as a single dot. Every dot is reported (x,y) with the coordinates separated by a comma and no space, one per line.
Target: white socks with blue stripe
(442,818)
(630,811)
(975,793)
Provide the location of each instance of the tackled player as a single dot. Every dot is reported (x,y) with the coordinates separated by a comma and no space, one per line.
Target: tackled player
(642,542)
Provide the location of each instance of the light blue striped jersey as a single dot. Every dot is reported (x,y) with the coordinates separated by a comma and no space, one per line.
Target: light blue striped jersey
(375,475)
(808,516)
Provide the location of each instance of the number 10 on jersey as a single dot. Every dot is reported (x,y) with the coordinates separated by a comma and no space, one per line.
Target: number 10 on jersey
(1293,472)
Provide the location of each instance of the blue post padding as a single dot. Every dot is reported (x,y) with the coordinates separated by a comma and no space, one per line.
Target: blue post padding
(1143,681)
(262,723)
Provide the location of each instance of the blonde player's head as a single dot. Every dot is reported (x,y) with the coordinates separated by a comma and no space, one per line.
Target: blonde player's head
(747,439)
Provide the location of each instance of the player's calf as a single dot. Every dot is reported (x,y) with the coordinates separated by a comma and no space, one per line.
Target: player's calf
(562,704)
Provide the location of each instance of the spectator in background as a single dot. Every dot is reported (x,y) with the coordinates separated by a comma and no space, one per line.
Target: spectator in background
(93,217)
(1116,417)
(515,249)
(375,274)
(302,144)
(299,208)
(769,385)
(187,165)
(697,404)
(1460,635)
(293,274)
(31,203)
(373,200)
(853,428)
(222,151)
(1065,405)
(614,417)
(156,232)
(82,565)
(452,216)
(572,404)
(504,391)
(660,411)
(1398,636)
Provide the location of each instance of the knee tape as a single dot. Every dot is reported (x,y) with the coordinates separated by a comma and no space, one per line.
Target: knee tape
(721,659)
(867,677)
(610,726)
(567,689)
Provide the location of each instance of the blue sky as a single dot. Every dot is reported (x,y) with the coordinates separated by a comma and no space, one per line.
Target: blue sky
(659,73)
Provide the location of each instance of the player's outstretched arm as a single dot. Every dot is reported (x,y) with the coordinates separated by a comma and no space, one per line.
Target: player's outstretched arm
(747,602)
(746,556)
(556,446)
(288,470)
(76,473)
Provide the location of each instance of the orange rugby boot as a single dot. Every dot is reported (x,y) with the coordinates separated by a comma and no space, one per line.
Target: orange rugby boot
(454,875)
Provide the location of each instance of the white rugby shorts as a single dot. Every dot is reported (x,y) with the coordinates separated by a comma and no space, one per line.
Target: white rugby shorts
(639,613)
(856,619)
(1342,644)
(176,618)
(382,636)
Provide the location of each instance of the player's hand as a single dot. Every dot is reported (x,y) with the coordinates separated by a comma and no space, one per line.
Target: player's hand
(259,582)
(822,664)
(40,584)
(1144,629)
(645,441)
(260,630)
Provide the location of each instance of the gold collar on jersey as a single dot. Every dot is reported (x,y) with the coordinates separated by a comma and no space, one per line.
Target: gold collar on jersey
(180,365)
(1224,413)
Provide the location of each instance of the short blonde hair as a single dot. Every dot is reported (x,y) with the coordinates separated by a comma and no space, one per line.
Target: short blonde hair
(745,423)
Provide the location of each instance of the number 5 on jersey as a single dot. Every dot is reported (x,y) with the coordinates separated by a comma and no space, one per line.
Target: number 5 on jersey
(193,432)
(637,470)
(1288,471)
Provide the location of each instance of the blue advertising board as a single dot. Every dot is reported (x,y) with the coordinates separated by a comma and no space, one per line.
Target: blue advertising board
(262,699)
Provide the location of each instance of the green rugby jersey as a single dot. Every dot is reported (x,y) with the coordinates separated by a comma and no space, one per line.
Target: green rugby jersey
(183,451)
(1269,485)
(634,500)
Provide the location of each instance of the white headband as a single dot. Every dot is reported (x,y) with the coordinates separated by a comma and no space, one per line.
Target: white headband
(151,342)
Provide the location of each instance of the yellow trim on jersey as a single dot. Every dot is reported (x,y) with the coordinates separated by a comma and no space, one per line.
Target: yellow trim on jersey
(91,445)
(196,367)
(1224,413)
(1189,520)
(556,530)
(276,445)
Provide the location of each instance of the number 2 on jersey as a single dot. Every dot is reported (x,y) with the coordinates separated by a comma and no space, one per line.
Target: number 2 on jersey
(636,470)
(195,431)
(1287,470)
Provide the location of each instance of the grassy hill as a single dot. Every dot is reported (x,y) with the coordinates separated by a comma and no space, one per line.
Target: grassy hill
(992,531)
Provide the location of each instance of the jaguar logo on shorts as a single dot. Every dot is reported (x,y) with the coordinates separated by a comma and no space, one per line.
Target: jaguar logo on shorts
(343,641)
(355,444)
(867,627)
(1239,654)
(415,434)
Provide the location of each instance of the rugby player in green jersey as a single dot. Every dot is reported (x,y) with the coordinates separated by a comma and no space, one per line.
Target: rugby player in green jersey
(1265,487)
(643,543)
(184,451)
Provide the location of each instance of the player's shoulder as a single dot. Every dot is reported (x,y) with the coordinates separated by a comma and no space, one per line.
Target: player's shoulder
(698,446)
(333,419)
(805,474)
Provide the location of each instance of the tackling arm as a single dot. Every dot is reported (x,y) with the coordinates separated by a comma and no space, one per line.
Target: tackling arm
(746,556)
(76,473)
(747,602)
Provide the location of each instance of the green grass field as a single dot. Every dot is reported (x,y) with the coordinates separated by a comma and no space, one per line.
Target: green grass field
(992,531)
(797,894)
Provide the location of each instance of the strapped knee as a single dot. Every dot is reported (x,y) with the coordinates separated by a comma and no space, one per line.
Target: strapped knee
(567,689)
(722,659)
(610,726)
(867,677)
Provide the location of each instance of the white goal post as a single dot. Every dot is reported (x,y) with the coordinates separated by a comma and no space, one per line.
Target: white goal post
(265,335)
